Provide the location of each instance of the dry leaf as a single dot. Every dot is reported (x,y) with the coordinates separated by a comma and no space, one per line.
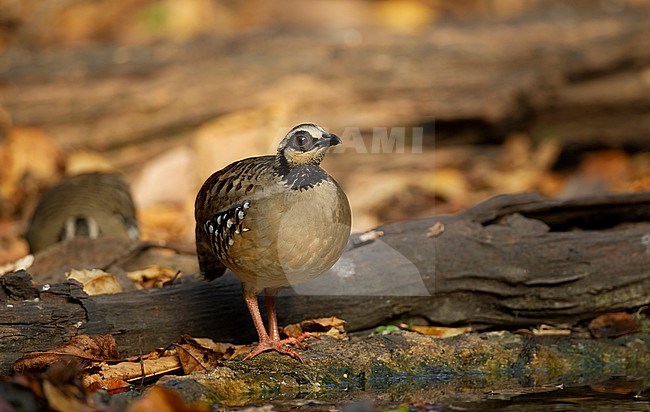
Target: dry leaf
(610,166)
(436,230)
(404,15)
(546,330)
(619,386)
(167,222)
(220,348)
(160,399)
(118,377)
(293,330)
(521,166)
(370,236)
(517,151)
(94,347)
(30,162)
(640,184)
(331,326)
(203,354)
(95,281)
(23,263)
(193,358)
(438,331)
(546,154)
(58,400)
(190,18)
(13,245)
(154,276)
(446,183)
(115,378)
(59,388)
(86,161)
(611,325)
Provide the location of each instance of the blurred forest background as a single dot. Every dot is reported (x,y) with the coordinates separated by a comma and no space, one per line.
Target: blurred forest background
(538,95)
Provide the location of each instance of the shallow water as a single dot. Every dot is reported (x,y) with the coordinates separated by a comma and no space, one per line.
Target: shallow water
(616,394)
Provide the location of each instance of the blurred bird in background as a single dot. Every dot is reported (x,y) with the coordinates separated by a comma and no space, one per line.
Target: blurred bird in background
(89,204)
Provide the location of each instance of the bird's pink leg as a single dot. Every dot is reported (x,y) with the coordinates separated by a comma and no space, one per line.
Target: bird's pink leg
(251,302)
(266,342)
(269,295)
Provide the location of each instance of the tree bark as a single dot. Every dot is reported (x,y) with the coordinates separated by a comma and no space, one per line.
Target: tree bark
(512,261)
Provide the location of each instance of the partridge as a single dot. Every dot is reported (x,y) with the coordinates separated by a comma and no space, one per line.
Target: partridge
(274,221)
(90,204)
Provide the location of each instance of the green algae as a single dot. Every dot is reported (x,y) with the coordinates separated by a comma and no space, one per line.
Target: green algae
(408,363)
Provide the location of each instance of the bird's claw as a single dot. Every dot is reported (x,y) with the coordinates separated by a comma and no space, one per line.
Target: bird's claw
(278,346)
(298,341)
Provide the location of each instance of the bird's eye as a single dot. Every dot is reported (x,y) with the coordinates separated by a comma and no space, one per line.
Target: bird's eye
(303,141)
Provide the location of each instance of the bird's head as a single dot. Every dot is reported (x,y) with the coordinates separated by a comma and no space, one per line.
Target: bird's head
(305,144)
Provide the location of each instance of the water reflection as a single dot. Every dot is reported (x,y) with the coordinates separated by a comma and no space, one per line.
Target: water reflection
(616,394)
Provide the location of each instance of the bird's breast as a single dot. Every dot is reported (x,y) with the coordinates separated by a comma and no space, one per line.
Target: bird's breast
(293,236)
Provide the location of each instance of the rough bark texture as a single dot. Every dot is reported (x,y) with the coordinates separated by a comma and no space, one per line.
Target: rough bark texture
(512,261)
(584,82)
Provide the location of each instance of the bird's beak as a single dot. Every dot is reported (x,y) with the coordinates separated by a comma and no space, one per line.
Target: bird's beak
(329,139)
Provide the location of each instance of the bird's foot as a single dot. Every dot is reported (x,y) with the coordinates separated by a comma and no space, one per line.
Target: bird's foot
(298,341)
(278,346)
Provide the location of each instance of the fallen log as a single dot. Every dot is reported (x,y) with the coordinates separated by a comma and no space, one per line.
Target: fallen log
(512,261)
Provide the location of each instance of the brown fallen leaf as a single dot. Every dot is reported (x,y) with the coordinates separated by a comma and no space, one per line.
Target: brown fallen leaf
(59,388)
(120,375)
(86,347)
(404,15)
(13,245)
(95,281)
(203,354)
(154,276)
(609,166)
(116,378)
(611,325)
(112,387)
(159,399)
(619,386)
(547,330)
(86,161)
(331,326)
(370,236)
(23,263)
(436,230)
(31,161)
(220,348)
(446,183)
(60,400)
(169,222)
(438,331)
(640,184)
